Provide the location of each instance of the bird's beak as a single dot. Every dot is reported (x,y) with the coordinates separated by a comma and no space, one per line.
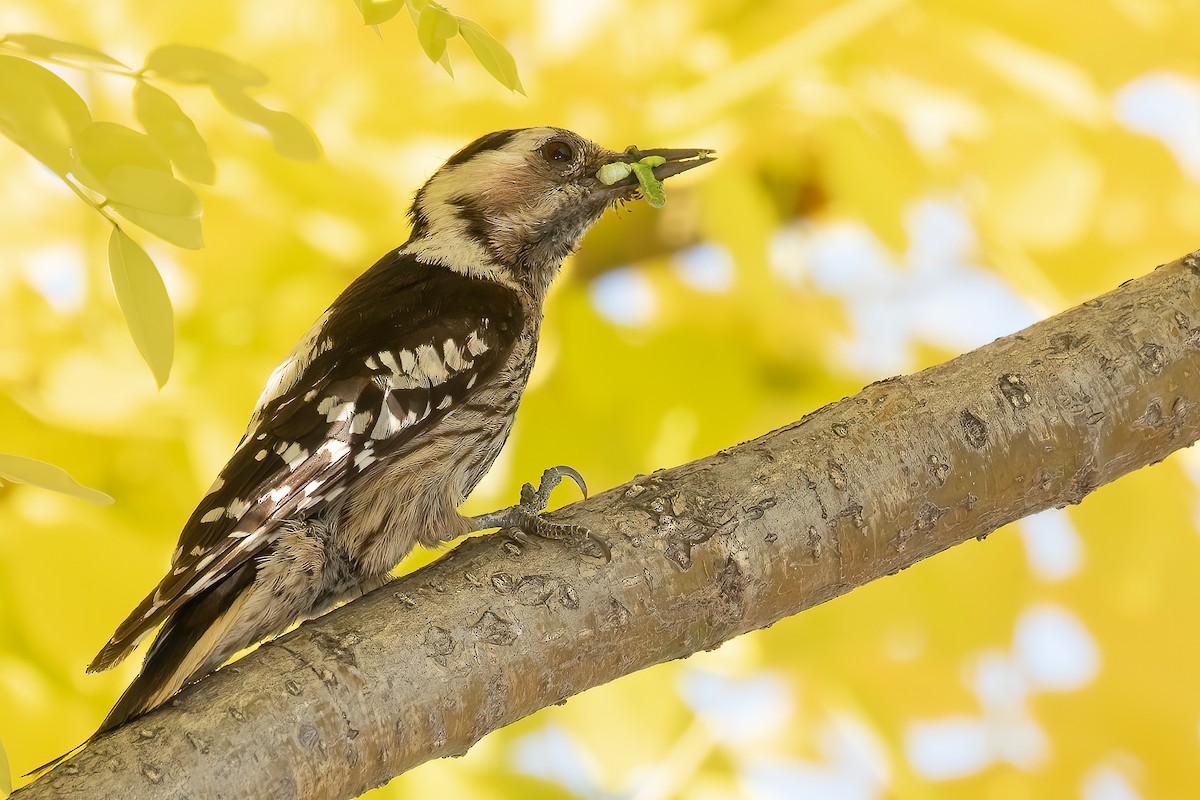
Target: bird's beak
(677,161)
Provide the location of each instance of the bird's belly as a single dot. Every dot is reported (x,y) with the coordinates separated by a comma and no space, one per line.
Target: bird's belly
(413,499)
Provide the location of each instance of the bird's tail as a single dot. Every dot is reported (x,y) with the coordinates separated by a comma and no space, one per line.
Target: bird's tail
(193,642)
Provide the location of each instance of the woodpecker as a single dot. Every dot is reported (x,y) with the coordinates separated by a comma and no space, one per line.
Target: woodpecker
(385,416)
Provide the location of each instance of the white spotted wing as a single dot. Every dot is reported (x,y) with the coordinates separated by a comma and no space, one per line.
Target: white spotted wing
(318,429)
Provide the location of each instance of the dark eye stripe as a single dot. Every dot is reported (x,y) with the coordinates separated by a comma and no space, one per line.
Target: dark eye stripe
(493,141)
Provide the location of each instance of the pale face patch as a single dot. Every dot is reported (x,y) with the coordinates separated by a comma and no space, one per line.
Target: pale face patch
(534,214)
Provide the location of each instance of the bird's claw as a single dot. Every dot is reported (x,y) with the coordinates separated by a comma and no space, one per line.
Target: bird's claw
(525,516)
(580,538)
(535,500)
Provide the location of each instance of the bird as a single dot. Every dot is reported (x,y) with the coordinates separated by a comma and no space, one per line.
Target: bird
(386,414)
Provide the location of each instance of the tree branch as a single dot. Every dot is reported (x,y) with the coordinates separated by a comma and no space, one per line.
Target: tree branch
(501,627)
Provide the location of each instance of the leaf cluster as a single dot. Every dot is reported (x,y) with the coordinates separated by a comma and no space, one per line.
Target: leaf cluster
(436,26)
(129,176)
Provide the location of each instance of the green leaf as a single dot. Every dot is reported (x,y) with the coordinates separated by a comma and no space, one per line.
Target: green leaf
(101,146)
(187,64)
(290,136)
(229,79)
(434,27)
(375,12)
(414,9)
(150,190)
(124,165)
(17,469)
(144,302)
(39,46)
(40,112)
(494,57)
(444,63)
(173,132)
(179,231)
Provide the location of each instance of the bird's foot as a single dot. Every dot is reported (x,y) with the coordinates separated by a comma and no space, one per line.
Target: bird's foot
(526,515)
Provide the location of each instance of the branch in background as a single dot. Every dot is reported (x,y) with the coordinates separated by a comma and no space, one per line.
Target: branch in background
(501,627)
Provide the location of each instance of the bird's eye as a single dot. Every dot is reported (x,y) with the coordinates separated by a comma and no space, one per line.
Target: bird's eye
(558,153)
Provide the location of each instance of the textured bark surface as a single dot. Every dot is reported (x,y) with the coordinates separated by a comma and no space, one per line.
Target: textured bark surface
(502,627)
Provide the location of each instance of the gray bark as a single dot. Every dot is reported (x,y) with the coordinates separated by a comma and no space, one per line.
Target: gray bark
(503,626)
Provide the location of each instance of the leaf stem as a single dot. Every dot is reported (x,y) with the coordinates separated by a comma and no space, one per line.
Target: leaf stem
(101,208)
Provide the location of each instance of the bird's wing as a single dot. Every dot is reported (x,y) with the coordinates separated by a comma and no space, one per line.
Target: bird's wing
(344,410)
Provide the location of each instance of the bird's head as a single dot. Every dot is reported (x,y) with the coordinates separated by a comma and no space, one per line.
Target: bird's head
(512,204)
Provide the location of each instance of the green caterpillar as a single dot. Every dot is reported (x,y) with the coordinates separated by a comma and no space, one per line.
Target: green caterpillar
(652,187)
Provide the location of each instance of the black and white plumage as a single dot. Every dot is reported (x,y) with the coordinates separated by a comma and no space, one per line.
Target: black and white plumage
(385,416)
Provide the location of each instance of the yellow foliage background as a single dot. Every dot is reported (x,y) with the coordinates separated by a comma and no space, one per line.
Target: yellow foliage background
(899,180)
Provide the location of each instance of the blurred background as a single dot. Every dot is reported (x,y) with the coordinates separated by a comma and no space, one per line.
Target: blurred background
(899,181)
